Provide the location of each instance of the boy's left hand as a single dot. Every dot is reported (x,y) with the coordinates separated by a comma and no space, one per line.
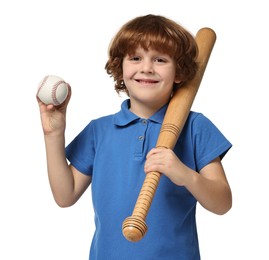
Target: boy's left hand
(166,162)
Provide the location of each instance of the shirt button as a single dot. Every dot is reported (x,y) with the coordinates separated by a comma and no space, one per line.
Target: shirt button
(141,137)
(144,122)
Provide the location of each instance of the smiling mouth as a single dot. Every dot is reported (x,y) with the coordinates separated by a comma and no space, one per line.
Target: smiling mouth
(146,81)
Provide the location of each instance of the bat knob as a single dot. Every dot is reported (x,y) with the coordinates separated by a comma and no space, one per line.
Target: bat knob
(134,228)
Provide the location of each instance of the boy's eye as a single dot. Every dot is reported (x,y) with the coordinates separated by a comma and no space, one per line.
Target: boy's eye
(161,60)
(134,58)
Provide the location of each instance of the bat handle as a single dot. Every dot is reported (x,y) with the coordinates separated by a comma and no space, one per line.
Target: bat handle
(134,227)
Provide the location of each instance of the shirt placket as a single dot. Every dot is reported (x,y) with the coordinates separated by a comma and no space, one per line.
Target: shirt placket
(140,139)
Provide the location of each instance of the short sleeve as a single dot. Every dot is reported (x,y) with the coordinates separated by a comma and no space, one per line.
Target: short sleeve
(81,151)
(209,142)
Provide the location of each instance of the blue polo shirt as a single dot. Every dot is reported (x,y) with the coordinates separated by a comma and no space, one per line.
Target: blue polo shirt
(112,149)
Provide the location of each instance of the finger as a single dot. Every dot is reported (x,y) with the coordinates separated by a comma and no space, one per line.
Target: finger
(153,166)
(155,150)
(69,93)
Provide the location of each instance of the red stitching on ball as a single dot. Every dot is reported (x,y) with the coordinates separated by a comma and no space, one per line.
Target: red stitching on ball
(53,93)
(42,84)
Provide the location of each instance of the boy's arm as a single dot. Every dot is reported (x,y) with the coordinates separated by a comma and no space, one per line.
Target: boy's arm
(210,187)
(67,183)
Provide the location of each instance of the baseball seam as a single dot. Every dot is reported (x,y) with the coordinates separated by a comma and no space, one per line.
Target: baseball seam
(42,84)
(53,92)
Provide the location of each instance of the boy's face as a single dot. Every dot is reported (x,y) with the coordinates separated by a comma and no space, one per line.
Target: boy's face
(149,77)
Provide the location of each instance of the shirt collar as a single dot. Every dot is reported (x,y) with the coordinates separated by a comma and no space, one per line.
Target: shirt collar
(125,116)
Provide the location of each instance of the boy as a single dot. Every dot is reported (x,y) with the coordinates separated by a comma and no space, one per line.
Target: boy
(149,57)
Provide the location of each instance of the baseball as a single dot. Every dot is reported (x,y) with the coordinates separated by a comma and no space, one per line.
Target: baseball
(52,90)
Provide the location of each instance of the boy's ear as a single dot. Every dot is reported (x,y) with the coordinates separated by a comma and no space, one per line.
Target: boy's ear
(177,81)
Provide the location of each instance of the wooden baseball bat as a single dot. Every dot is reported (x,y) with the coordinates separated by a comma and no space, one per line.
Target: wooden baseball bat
(134,227)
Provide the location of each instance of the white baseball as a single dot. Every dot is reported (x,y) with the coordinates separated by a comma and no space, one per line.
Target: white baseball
(52,90)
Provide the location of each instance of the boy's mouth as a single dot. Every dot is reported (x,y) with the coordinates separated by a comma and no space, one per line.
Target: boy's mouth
(146,81)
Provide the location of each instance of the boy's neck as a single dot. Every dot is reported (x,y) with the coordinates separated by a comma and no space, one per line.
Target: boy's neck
(144,111)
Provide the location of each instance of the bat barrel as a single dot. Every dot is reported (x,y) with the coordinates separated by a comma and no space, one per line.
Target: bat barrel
(134,227)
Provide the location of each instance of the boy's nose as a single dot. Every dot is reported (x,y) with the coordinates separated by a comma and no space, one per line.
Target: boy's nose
(147,67)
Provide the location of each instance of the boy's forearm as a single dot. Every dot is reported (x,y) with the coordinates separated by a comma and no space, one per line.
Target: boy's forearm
(60,175)
(213,195)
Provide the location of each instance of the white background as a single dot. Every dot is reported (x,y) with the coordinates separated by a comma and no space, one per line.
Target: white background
(70,39)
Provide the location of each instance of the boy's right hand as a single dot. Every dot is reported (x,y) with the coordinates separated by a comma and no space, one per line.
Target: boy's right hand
(53,118)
